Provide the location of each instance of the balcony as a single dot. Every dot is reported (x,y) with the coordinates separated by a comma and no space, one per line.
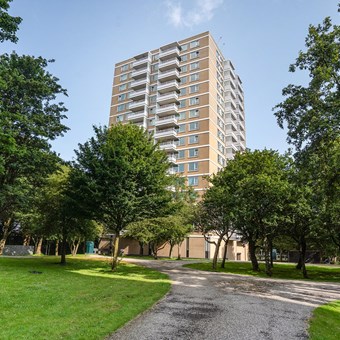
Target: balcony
(135,95)
(230,125)
(138,105)
(136,116)
(242,146)
(231,136)
(231,102)
(171,85)
(167,121)
(142,125)
(241,125)
(167,98)
(166,134)
(172,158)
(167,110)
(168,64)
(242,135)
(140,73)
(141,62)
(168,53)
(231,112)
(140,83)
(168,75)
(169,146)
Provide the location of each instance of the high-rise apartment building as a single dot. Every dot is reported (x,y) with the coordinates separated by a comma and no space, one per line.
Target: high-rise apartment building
(190,97)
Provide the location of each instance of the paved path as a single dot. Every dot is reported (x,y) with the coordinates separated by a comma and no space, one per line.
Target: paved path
(205,305)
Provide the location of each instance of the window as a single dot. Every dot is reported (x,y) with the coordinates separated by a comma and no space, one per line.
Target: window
(193,139)
(184,68)
(154,68)
(180,154)
(194,76)
(184,47)
(193,181)
(121,97)
(194,66)
(221,160)
(119,118)
(155,57)
(122,87)
(220,147)
(194,88)
(152,122)
(180,167)
(193,166)
(152,110)
(194,101)
(123,77)
(183,91)
(193,126)
(220,135)
(154,77)
(195,43)
(194,113)
(181,128)
(121,107)
(181,115)
(184,57)
(193,153)
(153,88)
(181,141)
(124,68)
(183,80)
(194,55)
(182,103)
(153,99)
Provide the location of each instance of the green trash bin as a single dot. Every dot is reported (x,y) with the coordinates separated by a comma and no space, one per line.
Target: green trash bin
(89,247)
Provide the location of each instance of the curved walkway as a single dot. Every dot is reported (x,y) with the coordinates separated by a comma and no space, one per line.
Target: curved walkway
(206,305)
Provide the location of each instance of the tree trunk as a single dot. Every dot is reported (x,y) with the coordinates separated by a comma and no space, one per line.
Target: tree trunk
(171,248)
(224,253)
(27,240)
(218,244)
(141,248)
(76,248)
(6,230)
(63,249)
(179,251)
(252,252)
(37,248)
(56,247)
(267,256)
(115,252)
(271,253)
(303,257)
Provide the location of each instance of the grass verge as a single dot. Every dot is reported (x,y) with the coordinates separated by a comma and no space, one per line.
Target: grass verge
(39,299)
(280,271)
(325,323)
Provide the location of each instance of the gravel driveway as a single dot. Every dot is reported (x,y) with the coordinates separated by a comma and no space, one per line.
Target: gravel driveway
(205,305)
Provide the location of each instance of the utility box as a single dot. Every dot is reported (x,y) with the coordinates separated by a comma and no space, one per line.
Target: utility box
(89,247)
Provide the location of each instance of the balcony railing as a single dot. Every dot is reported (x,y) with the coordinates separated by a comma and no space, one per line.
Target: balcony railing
(173,51)
(167,109)
(141,61)
(168,146)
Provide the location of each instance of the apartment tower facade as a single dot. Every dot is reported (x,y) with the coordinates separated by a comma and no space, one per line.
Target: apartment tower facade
(190,97)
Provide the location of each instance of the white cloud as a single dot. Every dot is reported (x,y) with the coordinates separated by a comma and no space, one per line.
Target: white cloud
(201,11)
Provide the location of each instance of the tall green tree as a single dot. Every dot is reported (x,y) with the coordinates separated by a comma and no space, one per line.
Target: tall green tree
(30,117)
(8,24)
(121,176)
(257,188)
(311,115)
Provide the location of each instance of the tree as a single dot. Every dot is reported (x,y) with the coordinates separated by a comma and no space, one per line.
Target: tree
(8,24)
(214,216)
(29,119)
(255,185)
(121,177)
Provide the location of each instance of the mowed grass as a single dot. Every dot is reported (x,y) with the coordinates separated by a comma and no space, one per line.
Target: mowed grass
(82,300)
(280,271)
(325,323)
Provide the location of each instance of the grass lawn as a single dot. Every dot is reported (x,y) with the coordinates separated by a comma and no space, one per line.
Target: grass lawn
(82,300)
(280,271)
(325,323)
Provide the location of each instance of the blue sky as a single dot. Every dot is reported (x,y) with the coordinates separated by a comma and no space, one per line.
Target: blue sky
(86,38)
